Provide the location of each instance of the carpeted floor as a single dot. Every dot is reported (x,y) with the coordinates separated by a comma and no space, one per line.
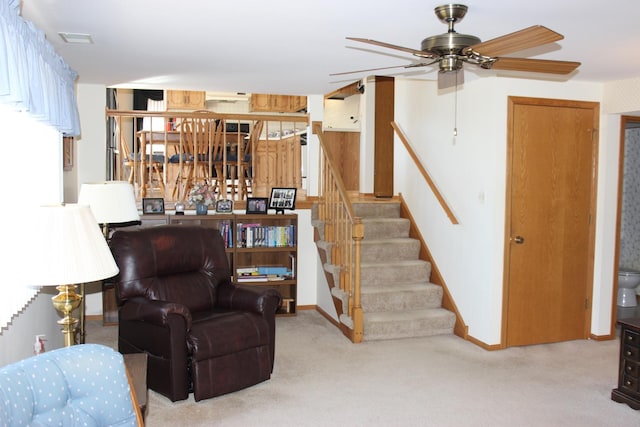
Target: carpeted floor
(321,379)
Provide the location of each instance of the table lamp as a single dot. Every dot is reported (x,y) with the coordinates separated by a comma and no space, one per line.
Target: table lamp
(71,250)
(112,203)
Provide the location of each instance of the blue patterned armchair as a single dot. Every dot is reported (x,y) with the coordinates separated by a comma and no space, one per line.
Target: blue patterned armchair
(82,385)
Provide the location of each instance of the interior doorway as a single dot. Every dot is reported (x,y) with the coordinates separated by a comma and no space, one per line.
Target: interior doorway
(628,216)
(550,220)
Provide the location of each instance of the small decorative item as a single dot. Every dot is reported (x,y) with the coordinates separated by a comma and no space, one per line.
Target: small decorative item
(153,206)
(202,195)
(201,209)
(282,198)
(224,206)
(179,206)
(257,205)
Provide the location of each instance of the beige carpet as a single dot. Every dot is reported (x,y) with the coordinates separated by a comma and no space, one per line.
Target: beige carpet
(321,379)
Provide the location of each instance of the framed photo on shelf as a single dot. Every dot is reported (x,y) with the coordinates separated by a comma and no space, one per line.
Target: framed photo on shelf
(257,205)
(282,198)
(224,206)
(153,206)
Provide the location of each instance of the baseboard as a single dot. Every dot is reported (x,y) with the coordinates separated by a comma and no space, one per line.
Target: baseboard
(608,337)
(482,344)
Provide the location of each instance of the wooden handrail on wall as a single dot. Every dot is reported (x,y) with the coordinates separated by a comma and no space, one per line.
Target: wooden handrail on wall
(343,231)
(424,173)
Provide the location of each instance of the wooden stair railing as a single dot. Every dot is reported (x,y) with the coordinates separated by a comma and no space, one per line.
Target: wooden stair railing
(424,173)
(343,231)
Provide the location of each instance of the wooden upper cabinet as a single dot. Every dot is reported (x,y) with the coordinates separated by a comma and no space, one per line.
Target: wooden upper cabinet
(185,100)
(263,102)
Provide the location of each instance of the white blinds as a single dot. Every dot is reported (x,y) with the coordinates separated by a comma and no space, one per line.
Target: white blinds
(33,78)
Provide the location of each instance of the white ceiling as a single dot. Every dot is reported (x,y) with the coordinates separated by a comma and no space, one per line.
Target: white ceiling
(291,46)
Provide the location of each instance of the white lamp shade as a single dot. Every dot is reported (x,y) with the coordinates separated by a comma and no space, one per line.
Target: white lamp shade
(112,202)
(70,247)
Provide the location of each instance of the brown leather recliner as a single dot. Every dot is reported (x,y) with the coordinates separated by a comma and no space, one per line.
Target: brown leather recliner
(177,304)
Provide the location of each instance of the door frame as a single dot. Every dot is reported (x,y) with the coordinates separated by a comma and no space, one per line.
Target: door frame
(511,102)
(624,121)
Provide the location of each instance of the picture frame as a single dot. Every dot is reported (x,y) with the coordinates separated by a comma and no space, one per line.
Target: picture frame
(153,206)
(282,199)
(224,206)
(257,205)
(67,153)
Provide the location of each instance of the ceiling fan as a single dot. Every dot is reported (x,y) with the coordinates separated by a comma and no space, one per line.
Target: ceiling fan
(451,50)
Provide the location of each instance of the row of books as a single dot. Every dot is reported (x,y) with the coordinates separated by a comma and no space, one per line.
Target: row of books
(226,231)
(265,273)
(265,236)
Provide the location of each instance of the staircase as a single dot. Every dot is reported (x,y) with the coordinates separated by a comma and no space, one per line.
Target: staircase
(397,298)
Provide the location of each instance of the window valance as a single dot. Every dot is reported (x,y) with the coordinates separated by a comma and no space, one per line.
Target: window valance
(33,77)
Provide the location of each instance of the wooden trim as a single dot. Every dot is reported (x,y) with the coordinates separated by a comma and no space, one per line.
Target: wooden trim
(297,117)
(482,344)
(134,399)
(424,173)
(603,337)
(624,120)
(345,92)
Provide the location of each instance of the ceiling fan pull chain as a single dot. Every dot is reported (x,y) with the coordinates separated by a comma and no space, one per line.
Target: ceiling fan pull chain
(455,108)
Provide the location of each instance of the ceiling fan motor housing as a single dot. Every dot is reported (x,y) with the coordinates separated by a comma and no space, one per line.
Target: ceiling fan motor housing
(448,43)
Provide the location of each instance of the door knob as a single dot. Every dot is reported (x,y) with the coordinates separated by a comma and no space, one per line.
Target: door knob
(518,240)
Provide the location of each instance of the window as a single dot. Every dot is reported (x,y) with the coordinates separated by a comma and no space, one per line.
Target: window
(31,175)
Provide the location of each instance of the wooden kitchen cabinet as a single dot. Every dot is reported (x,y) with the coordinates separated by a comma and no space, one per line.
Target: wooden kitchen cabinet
(185,100)
(278,163)
(262,102)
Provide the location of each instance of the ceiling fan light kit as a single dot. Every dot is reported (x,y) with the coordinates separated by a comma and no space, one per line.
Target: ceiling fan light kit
(452,49)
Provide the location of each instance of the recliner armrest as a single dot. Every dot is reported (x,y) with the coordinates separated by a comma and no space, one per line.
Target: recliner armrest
(248,298)
(156,312)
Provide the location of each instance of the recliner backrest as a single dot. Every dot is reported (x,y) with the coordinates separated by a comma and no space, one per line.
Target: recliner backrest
(178,263)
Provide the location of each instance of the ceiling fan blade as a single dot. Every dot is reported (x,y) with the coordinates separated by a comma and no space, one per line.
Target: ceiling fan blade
(536,35)
(447,79)
(535,65)
(420,64)
(420,53)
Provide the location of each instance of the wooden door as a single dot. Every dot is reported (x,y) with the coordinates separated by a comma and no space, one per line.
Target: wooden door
(552,152)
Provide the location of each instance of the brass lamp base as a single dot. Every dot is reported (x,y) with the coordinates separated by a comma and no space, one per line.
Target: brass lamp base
(65,302)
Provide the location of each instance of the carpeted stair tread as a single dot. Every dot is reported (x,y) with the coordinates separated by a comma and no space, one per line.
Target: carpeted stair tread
(401,296)
(376,228)
(402,271)
(377,209)
(398,248)
(407,323)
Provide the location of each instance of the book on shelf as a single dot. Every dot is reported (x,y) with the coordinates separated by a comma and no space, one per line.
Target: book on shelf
(259,278)
(255,235)
(252,278)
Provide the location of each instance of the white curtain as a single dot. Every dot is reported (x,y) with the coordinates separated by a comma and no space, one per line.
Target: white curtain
(33,77)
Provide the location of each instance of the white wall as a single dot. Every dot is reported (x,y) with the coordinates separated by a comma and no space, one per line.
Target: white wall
(91,164)
(469,169)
